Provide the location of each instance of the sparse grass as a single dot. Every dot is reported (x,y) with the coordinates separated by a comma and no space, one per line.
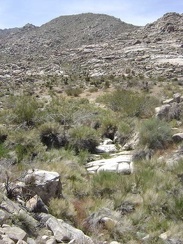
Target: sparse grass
(62,209)
(154,189)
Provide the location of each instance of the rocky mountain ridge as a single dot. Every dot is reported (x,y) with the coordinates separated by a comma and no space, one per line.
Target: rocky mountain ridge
(100,44)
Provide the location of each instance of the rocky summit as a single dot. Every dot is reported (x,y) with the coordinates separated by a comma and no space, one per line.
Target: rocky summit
(91,131)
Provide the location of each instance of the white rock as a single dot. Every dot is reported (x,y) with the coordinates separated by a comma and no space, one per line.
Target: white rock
(119,164)
(65,232)
(109,148)
(107,141)
(15,233)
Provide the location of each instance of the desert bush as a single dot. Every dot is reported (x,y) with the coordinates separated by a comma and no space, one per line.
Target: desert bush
(3,150)
(83,138)
(24,109)
(25,144)
(93,89)
(62,209)
(108,125)
(155,133)
(105,184)
(62,109)
(3,135)
(130,103)
(52,136)
(26,222)
(124,131)
(73,91)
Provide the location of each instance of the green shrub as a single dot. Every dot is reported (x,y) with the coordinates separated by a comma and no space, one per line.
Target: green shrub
(130,103)
(52,135)
(83,138)
(108,125)
(73,91)
(3,150)
(62,110)
(107,184)
(25,109)
(62,209)
(155,133)
(25,144)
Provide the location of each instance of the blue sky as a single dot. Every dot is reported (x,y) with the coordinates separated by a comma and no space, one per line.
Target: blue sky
(17,13)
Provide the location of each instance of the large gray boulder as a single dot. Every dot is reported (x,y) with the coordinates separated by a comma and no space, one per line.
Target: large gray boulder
(45,184)
(14,233)
(64,232)
(162,112)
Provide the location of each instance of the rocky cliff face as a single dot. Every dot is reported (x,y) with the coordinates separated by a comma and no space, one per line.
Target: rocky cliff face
(100,44)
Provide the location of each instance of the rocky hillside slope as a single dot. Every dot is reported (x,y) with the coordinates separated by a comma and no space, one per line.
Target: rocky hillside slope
(100,44)
(65,32)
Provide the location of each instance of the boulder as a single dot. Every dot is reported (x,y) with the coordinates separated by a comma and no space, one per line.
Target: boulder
(177,97)
(31,241)
(51,240)
(36,205)
(168,111)
(106,146)
(64,232)
(119,164)
(6,240)
(178,137)
(162,112)
(45,184)
(21,242)
(3,216)
(14,233)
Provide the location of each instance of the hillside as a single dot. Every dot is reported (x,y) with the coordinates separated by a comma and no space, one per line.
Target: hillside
(96,43)
(59,34)
(91,131)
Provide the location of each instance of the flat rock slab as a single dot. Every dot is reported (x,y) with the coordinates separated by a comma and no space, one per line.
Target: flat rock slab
(119,164)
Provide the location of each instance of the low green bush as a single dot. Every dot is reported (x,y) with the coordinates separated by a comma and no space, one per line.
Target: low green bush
(25,109)
(52,135)
(73,91)
(130,103)
(155,133)
(83,138)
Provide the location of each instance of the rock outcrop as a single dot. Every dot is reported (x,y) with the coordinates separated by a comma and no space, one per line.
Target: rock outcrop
(43,183)
(119,164)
